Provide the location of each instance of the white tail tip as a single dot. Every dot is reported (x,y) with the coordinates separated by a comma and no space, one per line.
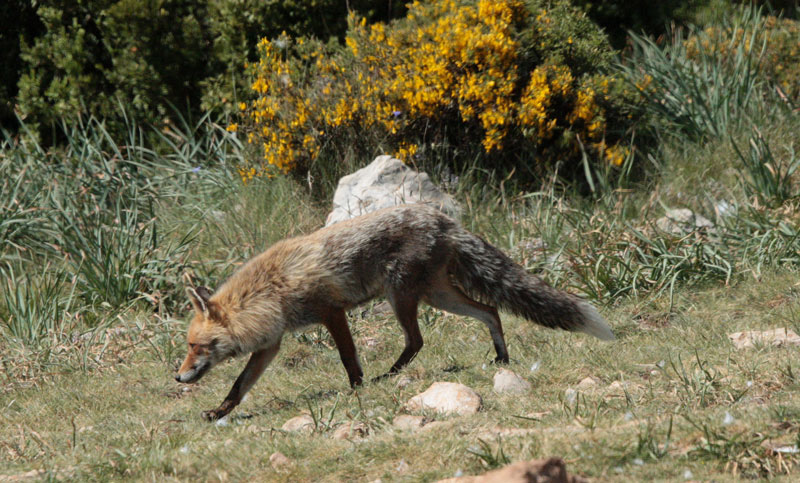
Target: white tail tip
(595,324)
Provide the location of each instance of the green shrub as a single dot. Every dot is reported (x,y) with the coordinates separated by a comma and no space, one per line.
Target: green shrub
(702,84)
(18,21)
(158,58)
(506,82)
(617,17)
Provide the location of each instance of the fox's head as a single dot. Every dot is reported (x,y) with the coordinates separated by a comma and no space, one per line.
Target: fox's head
(208,337)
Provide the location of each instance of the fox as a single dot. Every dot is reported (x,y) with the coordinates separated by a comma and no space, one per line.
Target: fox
(407,253)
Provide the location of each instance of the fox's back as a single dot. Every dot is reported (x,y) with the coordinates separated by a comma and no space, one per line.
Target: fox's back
(345,264)
(395,245)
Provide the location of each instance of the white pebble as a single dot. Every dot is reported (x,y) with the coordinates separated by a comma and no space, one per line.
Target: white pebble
(535,366)
(728,419)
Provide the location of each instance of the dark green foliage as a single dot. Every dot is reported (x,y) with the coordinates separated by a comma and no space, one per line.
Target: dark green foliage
(157,58)
(617,17)
(18,20)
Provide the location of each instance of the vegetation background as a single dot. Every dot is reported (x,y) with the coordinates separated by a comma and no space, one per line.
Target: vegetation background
(152,145)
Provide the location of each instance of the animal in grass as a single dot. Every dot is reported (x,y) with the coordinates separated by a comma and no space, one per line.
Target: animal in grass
(409,253)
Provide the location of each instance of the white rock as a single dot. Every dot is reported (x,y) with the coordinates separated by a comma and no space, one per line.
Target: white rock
(617,386)
(351,430)
(682,221)
(727,419)
(446,397)
(403,381)
(506,381)
(774,337)
(385,182)
(408,422)
(402,467)
(587,383)
(299,424)
(279,461)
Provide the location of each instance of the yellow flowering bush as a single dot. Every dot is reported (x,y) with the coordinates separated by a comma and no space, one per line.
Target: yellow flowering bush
(502,78)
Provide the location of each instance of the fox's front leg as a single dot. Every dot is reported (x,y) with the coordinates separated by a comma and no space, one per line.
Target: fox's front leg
(336,322)
(252,371)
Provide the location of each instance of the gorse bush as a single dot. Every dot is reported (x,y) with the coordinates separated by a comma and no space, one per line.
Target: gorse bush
(500,80)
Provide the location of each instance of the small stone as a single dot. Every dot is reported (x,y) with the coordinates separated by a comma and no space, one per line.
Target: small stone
(402,467)
(617,386)
(351,430)
(506,381)
(403,381)
(299,424)
(408,422)
(587,383)
(727,419)
(279,461)
(446,397)
(774,337)
(370,342)
(683,221)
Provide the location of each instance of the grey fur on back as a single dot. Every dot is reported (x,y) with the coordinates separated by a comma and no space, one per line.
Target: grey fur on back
(402,248)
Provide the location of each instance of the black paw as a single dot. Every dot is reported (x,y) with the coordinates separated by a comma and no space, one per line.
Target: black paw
(213,415)
(501,360)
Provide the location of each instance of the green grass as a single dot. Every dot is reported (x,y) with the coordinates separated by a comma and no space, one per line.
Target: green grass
(128,418)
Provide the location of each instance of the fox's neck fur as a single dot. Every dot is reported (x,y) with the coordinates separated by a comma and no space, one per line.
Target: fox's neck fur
(256,297)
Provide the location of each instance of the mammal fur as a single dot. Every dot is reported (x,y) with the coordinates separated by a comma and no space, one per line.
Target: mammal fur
(409,253)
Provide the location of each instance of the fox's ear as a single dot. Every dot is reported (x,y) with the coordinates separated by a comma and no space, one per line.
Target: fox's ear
(199,298)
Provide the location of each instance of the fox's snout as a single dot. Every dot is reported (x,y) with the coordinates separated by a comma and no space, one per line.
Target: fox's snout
(193,374)
(193,368)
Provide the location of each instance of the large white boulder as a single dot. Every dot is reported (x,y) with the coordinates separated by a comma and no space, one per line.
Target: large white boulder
(383,183)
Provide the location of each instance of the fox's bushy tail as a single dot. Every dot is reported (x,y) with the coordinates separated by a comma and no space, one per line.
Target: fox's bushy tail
(488,275)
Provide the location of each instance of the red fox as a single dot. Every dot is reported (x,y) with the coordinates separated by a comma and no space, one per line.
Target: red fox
(409,253)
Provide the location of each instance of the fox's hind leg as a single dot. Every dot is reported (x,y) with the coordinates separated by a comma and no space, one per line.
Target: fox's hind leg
(443,295)
(252,371)
(405,309)
(336,323)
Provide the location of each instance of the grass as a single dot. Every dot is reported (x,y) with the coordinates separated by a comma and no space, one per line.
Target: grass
(128,418)
(101,235)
